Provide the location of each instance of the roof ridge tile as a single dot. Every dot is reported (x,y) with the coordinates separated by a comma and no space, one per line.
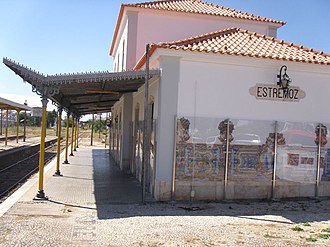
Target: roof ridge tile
(213,9)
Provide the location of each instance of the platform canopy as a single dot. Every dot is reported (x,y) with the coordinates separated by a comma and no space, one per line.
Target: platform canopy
(83,93)
(10,105)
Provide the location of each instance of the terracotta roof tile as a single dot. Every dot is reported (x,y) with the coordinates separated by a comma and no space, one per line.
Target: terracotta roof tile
(200,7)
(236,41)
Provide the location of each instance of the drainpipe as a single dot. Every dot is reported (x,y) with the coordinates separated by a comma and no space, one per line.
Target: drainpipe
(146,128)
(317,182)
(226,164)
(275,163)
(174,160)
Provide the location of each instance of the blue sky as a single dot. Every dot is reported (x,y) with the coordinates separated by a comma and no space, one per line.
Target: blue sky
(61,36)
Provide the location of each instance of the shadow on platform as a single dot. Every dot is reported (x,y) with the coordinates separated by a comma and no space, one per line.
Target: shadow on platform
(111,185)
(113,194)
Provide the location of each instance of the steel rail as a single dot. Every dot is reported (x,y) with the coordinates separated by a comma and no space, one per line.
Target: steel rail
(26,175)
(31,172)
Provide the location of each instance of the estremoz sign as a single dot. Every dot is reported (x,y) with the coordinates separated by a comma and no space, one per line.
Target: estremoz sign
(275,92)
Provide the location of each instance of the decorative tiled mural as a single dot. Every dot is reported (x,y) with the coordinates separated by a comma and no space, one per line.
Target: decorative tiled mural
(201,150)
(207,162)
(199,161)
(250,160)
(326,166)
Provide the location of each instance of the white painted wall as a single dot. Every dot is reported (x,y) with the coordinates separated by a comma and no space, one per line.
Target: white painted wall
(142,26)
(127,106)
(167,107)
(207,85)
(154,27)
(220,87)
(132,39)
(138,98)
(120,57)
(117,110)
(126,142)
(118,106)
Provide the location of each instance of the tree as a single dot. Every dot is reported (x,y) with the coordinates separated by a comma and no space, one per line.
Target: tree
(28,118)
(99,126)
(51,118)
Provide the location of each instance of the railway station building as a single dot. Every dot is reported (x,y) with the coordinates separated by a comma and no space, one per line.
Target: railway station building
(219,105)
(231,111)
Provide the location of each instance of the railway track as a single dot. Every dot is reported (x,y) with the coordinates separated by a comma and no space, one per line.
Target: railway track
(12,176)
(14,172)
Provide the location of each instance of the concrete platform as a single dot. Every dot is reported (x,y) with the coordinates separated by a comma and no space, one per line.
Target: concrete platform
(90,183)
(94,204)
(90,179)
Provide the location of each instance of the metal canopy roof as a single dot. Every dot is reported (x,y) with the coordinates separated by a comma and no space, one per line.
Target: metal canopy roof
(83,93)
(10,105)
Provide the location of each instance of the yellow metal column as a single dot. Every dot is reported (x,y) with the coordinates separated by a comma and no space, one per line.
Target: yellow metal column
(100,115)
(24,133)
(1,116)
(75,136)
(17,126)
(41,195)
(6,131)
(58,152)
(72,136)
(67,138)
(24,126)
(78,133)
(92,130)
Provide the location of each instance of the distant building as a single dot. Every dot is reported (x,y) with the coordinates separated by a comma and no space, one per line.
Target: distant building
(36,112)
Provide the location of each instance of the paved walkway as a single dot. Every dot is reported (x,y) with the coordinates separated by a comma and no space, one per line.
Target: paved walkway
(90,183)
(94,204)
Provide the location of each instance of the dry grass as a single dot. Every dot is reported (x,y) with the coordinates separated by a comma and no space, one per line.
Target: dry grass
(33,132)
(30,131)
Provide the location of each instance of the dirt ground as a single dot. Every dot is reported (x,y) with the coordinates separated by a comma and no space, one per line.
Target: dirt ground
(286,223)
